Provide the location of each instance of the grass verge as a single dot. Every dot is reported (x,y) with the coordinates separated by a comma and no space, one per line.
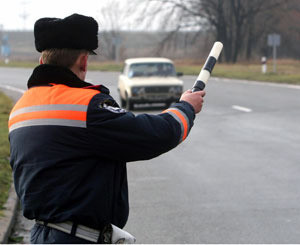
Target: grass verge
(5,170)
(288,71)
(15,239)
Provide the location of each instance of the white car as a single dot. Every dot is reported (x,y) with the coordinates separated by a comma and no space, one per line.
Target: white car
(149,80)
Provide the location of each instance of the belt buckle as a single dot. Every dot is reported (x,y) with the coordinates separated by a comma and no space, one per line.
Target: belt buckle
(106,234)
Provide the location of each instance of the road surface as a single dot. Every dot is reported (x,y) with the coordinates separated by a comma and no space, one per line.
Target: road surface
(236,178)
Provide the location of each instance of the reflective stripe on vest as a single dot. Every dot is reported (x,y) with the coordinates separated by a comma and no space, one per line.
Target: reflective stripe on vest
(180,117)
(58,105)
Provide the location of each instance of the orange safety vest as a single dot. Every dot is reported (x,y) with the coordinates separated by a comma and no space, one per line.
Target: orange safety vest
(51,105)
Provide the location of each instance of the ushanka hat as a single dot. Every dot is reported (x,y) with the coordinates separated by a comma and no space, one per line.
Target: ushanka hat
(73,32)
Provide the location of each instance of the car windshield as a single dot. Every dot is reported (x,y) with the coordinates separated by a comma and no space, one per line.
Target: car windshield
(151,69)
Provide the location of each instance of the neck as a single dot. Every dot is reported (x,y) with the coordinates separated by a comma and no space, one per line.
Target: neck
(47,74)
(79,73)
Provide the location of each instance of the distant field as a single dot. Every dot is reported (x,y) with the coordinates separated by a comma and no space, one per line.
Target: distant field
(288,71)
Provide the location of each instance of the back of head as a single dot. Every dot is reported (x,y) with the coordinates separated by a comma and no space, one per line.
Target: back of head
(62,57)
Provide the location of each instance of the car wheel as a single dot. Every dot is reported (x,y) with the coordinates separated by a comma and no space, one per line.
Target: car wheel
(129,104)
(168,104)
(123,102)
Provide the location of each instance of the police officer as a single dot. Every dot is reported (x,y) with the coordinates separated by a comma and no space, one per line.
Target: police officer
(70,141)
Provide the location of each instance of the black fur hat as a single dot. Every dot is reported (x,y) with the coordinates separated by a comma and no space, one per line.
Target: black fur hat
(74,32)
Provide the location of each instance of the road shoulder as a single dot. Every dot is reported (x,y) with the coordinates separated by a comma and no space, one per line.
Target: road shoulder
(8,219)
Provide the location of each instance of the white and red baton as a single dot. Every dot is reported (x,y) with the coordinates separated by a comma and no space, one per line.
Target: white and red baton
(208,67)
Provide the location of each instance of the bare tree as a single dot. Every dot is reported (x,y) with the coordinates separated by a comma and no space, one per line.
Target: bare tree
(113,17)
(231,21)
(285,23)
(242,25)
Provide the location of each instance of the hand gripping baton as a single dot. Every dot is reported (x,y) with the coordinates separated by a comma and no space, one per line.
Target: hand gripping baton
(208,67)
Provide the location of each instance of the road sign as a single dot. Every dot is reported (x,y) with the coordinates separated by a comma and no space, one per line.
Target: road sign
(274,40)
(5,49)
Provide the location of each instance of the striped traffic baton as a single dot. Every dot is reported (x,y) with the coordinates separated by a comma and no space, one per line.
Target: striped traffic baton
(208,67)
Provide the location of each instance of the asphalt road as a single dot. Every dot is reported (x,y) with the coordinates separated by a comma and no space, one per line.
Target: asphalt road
(236,178)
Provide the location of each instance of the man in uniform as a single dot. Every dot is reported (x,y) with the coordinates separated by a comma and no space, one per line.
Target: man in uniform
(70,141)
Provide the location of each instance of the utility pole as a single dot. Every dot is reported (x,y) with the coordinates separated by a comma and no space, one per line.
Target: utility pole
(116,40)
(24,15)
(1,31)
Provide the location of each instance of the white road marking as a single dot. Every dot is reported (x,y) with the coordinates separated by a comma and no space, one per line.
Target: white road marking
(261,83)
(241,108)
(22,91)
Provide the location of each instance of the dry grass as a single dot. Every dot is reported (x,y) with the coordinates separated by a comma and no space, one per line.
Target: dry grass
(5,170)
(288,70)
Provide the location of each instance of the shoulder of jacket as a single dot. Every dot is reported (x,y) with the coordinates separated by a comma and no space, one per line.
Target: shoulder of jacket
(104,102)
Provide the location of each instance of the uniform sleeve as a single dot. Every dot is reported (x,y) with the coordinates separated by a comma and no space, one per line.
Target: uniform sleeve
(117,134)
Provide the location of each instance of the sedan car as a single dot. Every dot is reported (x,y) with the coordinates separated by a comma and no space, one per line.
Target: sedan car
(149,80)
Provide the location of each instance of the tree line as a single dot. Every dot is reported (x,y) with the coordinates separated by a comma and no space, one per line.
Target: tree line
(242,25)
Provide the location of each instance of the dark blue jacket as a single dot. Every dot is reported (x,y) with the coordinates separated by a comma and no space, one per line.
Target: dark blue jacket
(70,142)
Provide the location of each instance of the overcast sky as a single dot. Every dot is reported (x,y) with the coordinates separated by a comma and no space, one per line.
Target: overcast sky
(12,12)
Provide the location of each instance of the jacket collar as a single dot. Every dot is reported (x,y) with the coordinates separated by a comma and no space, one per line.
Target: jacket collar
(46,75)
